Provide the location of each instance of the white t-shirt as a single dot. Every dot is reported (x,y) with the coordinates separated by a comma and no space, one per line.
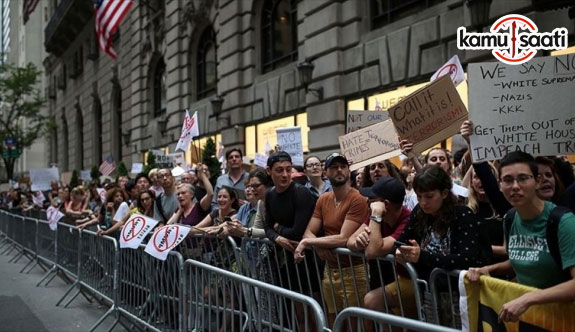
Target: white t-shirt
(123,210)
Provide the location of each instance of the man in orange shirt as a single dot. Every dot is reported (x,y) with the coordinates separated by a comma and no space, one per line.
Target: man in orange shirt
(339,214)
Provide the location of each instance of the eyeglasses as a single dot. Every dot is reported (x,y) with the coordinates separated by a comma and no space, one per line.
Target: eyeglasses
(165,175)
(313,165)
(508,181)
(254,185)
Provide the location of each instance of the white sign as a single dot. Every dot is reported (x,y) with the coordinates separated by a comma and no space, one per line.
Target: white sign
(360,119)
(165,239)
(261,160)
(190,129)
(85,175)
(135,230)
(102,193)
(453,68)
(137,168)
(529,107)
(54,215)
(41,177)
(38,198)
(289,140)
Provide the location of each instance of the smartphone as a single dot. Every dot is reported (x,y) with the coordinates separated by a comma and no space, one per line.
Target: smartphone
(398,244)
(227,219)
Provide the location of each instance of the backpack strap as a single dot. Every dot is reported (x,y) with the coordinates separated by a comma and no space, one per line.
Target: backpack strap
(552,234)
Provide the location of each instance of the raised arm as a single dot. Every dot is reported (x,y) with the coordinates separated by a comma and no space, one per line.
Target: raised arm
(206,201)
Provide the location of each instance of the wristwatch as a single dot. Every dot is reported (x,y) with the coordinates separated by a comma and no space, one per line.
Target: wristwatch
(376,219)
(250,232)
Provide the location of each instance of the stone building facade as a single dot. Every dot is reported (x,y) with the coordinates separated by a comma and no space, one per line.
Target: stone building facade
(180,54)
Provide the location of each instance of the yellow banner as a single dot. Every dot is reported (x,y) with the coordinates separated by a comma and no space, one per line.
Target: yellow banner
(480,305)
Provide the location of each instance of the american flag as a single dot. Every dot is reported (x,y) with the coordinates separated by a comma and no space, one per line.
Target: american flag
(108,166)
(29,6)
(109,14)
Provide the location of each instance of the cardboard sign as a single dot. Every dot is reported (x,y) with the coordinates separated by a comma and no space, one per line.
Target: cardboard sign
(371,144)
(135,230)
(41,178)
(289,140)
(137,168)
(529,107)
(429,115)
(54,215)
(356,120)
(165,239)
(261,160)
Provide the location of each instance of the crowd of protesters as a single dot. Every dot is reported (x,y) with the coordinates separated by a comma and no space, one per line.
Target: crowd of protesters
(436,210)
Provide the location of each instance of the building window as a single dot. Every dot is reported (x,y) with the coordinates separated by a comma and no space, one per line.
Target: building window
(98,139)
(206,68)
(117,122)
(159,88)
(384,12)
(65,141)
(279,33)
(80,139)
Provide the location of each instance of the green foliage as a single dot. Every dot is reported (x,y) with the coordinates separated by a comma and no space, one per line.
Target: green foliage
(150,163)
(122,170)
(95,173)
(21,100)
(75,180)
(210,159)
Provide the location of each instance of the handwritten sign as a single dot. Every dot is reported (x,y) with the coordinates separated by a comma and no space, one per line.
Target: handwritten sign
(135,230)
(370,144)
(360,119)
(165,239)
(529,107)
(41,178)
(54,215)
(429,115)
(289,140)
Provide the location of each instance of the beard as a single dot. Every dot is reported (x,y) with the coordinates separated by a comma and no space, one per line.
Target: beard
(338,181)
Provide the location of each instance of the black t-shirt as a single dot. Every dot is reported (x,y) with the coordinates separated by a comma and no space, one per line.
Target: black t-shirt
(291,209)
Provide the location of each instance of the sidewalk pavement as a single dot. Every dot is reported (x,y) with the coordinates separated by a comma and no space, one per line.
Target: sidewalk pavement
(27,308)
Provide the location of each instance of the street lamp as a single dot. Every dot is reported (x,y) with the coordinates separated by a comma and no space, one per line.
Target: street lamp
(305,70)
(217,103)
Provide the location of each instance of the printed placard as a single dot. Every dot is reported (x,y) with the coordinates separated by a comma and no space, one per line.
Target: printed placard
(165,239)
(529,107)
(102,194)
(42,177)
(289,140)
(360,119)
(54,215)
(429,115)
(370,144)
(135,230)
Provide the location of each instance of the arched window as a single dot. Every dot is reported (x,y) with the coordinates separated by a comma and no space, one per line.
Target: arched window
(206,65)
(279,33)
(117,122)
(159,88)
(65,140)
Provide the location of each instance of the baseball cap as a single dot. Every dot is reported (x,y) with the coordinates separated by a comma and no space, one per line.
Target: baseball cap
(335,157)
(388,188)
(277,157)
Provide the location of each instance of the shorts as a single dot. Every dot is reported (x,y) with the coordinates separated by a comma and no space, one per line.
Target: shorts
(407,296)
(345,289)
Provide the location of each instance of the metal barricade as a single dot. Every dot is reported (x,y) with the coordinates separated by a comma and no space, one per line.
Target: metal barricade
(213,303)
(445,297)
(149,290)
(29,241)
(46,246)
(67,255)
(220,252)
(383,321)
(7,231)
(19,237)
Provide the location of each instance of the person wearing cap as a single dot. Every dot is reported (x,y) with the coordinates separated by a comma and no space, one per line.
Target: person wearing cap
(387,221)
(288,209)
(235,177)
(339,214)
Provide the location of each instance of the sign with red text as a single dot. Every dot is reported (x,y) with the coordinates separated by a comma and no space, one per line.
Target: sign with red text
(452,68)
(165,239)
(54,215)
(429,115)
(370,144)
(529,107)
(135,230)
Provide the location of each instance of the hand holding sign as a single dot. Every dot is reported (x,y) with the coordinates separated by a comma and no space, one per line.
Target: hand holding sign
(54,215)
(165,239)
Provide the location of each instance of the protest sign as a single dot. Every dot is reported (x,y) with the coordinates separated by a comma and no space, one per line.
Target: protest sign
(360,119)
(135,230)
(177,158)
(54,215)
(370,144)
(480,304)
(165,239)
(85,175)
(102,194)
(452,68)
(41,177)
(137,168)
(429,115)
(528,107)
(38,198)
(289,140)
(261,160)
